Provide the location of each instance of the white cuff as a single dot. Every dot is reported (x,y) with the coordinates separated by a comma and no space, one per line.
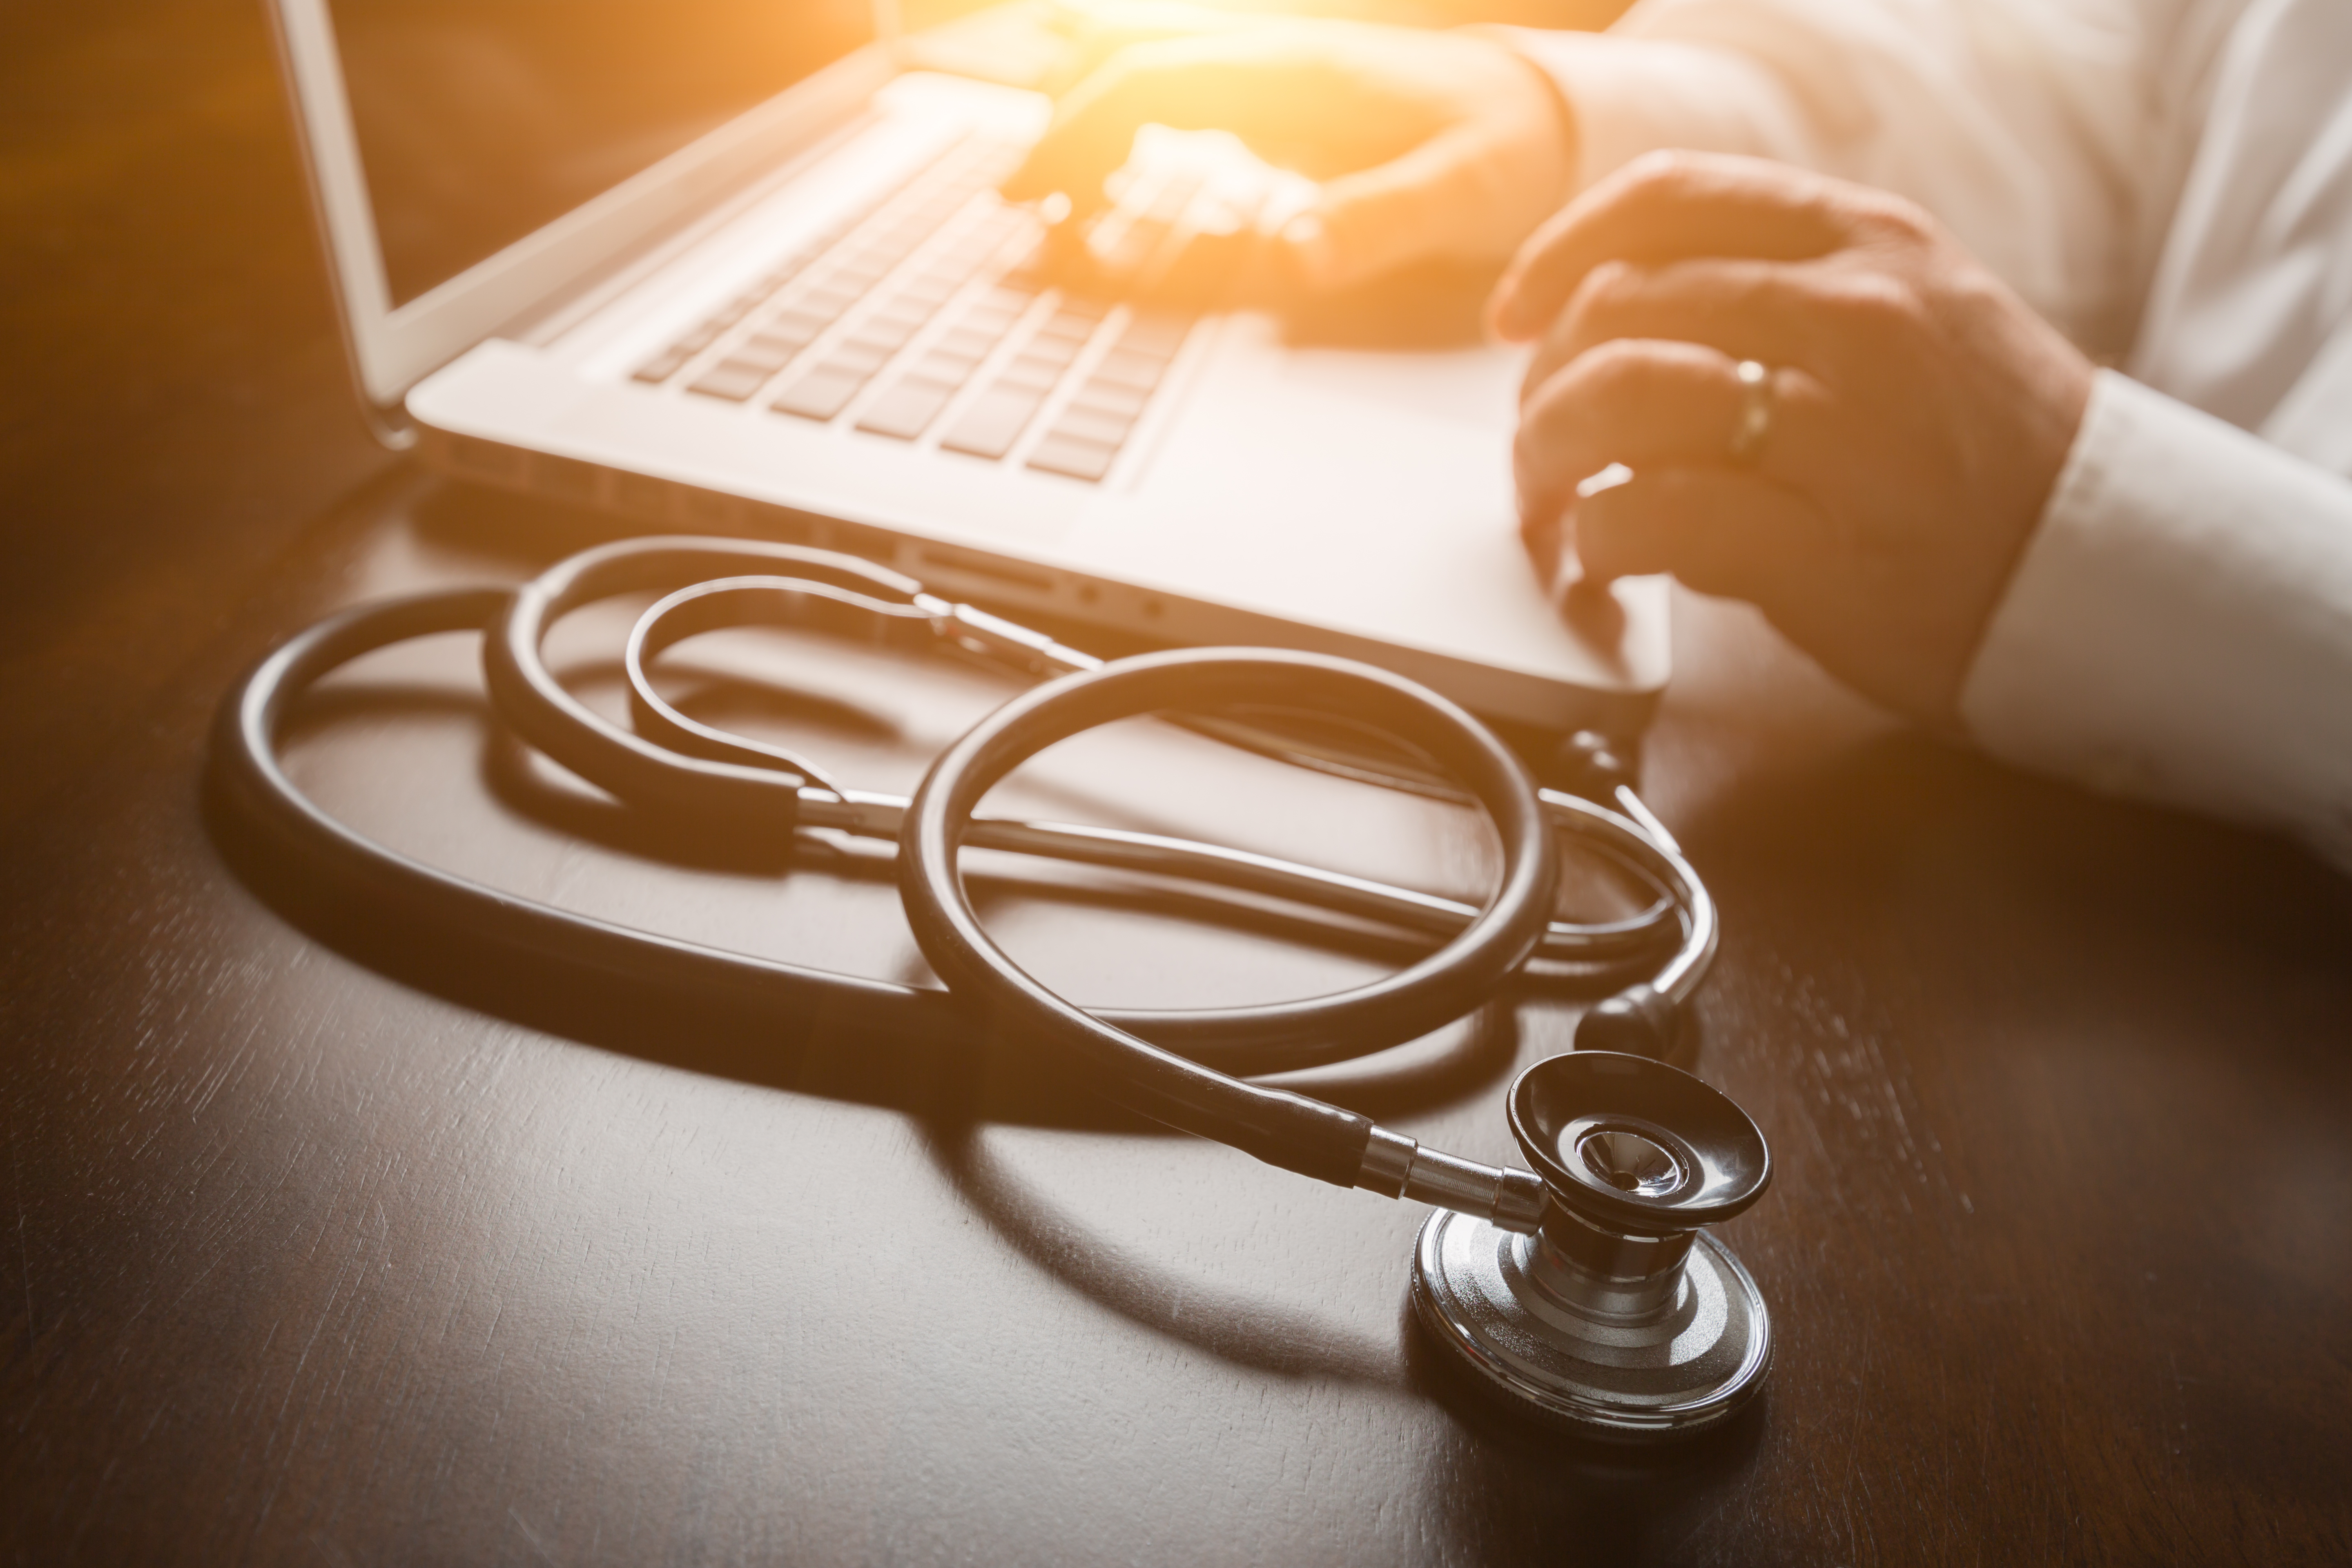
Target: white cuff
(1632,96)
(2179,627)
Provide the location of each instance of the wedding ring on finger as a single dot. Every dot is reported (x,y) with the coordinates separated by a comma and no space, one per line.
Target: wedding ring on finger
(1756,409)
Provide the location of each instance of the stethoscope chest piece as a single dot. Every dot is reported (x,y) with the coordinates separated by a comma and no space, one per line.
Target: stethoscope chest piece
(1619,1318)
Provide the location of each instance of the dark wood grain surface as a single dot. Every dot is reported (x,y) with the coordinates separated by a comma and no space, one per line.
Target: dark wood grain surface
(319,1242)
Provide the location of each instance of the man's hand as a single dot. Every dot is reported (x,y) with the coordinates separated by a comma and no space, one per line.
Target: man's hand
(1429,145)
(1920,412)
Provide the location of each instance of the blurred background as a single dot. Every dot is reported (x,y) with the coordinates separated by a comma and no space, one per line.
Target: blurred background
(1589,14)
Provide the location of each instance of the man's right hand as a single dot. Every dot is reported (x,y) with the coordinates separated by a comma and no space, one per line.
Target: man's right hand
(1428,145)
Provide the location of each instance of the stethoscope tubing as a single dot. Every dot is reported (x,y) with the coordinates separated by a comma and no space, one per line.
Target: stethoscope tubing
(1184,1068)
(705,769)
(357,872)
(1293,1130)
(1640,843)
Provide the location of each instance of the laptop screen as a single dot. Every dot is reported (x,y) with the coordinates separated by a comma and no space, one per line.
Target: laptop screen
(480,120)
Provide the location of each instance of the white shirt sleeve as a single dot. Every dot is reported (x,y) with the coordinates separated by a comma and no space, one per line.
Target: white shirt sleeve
(2181,626)
(2028,126)
(2172,178)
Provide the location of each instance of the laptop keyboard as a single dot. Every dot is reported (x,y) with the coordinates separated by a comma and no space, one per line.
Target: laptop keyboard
(934,297)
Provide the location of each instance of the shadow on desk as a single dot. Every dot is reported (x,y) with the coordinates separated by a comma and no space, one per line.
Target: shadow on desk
(963,1072)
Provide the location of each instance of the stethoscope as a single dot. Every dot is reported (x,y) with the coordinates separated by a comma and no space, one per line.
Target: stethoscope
(1584,1288)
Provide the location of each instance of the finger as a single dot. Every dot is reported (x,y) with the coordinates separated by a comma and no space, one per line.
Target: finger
(1650,404)
(1667,207)
(1547,535)
(1781,313)
(1737,535)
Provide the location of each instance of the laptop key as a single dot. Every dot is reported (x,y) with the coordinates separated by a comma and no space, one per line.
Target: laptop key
(1094,425)
(989,426)
(948,369)
(966,341)
(906,310)
(1031,374)
(805,316)
(662,366)
(776,338)
(762,354)
(1052,351)
(883,334)
(988,320)
(860,360)
(734,380)
(1109,397)
(907,410)
(1124,367)
(1071,455)
(821,393)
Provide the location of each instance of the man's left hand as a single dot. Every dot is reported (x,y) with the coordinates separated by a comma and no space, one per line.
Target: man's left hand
(1918,412)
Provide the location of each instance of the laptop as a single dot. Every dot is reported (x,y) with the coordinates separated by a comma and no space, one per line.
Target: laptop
(731,267)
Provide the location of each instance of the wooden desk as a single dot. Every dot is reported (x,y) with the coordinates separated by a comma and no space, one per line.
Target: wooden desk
(300,1260)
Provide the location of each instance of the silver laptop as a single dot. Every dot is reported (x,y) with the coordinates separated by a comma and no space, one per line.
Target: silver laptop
(727,266)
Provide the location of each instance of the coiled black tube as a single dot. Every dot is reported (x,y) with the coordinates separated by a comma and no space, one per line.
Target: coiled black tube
(1165,1063)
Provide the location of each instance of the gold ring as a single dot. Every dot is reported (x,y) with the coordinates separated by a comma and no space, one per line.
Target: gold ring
(1755,400)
